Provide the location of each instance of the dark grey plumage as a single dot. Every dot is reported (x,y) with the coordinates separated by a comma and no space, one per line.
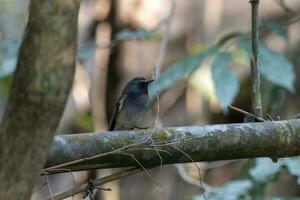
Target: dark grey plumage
(132,105)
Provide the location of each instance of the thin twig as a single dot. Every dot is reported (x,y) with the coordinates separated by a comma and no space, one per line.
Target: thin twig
(157,70)
(58,170)
(246,113)
(292,21)
(165,40)
(198,168)
(39,187)
(297,116)
(73,178)
(97,182)
(144,169)
(91,196)
(145,139)
(162,55)
(150,149)
(269,117)
(182,172)
(255,71)
(49,188)
(142,141)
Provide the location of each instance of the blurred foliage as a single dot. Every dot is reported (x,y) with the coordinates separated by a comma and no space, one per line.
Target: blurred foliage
(9,49)
(262,173)
(277,28)
(264,170)
(273,98)
(85,122)
(85,51)
(179,71)
(293,166)
(274,66)
(230,191)
(226,82)
(280,75)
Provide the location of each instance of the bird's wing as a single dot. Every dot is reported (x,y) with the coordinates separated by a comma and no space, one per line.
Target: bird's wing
(117,109)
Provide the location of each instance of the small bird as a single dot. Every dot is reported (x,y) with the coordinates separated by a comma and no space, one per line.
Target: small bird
(132,105)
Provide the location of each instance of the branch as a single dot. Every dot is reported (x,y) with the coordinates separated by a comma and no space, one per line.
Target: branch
(40,88)
(255,71)
(98,182)
(202,143)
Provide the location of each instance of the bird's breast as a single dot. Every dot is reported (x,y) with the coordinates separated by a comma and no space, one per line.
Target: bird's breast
(133,111)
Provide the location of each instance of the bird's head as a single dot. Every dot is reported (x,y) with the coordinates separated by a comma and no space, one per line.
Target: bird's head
(137,85)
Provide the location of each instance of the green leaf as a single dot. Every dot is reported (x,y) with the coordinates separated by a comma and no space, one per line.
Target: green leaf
(264,170)
(293,166)
(273,66)
(245,43)
(225,81)
(232,190)
(277,28)
(138,34)
(178,71)
(276,68)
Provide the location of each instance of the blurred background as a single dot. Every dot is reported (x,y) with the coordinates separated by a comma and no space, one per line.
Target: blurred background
(121,39)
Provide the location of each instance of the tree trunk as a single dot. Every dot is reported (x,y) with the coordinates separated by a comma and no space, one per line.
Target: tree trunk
(40,88)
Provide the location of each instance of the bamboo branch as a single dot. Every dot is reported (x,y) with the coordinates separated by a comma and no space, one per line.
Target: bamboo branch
(255,71)
(202,143)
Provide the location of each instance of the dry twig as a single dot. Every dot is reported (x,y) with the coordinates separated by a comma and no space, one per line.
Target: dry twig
(198,168)
(97,182)
(49,188)
(246,113)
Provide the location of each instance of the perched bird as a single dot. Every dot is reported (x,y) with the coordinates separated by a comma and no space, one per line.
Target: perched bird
(132,105)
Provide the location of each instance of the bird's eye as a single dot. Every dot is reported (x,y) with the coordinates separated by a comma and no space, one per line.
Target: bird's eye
(141,84)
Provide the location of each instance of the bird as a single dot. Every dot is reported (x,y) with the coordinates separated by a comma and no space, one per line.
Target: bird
(132,105)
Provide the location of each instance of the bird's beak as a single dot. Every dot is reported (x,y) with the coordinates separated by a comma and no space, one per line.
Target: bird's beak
(150,81)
